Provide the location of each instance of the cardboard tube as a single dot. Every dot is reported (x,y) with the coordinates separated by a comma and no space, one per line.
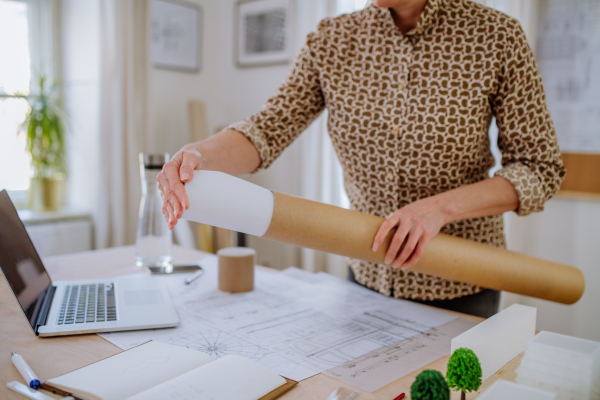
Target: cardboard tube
(227,202)
(350,233)
(236,269)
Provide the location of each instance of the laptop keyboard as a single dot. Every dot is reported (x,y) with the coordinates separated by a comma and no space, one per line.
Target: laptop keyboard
(88,303)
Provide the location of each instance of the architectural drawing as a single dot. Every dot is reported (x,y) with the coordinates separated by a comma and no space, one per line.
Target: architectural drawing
(319,325)
(301,325)
(382,366)
(217,344)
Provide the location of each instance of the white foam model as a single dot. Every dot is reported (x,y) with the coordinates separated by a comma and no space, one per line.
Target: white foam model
(500,338)
(226,201)
(505,390)
(566,365)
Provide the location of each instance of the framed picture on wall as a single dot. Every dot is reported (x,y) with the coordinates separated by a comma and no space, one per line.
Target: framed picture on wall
(263,32)
(176,30)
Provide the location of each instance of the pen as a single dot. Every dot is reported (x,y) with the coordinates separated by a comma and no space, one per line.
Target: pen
(400,397)
(193,276)
(30,393)
(26,372)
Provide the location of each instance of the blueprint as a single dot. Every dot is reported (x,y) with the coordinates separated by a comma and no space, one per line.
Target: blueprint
(298,324)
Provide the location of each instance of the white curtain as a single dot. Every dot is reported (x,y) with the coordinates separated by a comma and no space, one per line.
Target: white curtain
(321,177)
(123,116)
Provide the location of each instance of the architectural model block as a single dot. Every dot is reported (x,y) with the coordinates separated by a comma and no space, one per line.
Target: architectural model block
(565,365)
(505,390)
(500,338)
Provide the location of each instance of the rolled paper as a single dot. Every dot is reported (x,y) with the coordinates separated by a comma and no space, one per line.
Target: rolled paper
(236,269)
(228,202)
(349,233)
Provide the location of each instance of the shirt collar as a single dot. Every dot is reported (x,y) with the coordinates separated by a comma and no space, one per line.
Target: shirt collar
(428,17)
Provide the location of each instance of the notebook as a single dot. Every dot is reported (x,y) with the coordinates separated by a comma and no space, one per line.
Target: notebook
(157,370)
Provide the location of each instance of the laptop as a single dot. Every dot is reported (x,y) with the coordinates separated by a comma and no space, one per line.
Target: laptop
(76,306)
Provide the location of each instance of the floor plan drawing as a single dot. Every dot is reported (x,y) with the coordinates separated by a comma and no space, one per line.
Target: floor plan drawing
(299,324)
(386,364)
(319,324)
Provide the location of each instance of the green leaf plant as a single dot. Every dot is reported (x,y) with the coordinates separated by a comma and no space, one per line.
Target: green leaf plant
(464,371)
(44,129)
(430,385)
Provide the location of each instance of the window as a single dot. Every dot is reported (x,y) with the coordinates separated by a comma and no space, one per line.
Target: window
(25,46)
(15,75)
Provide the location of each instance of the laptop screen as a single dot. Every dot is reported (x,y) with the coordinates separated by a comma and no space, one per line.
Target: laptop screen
(20,262)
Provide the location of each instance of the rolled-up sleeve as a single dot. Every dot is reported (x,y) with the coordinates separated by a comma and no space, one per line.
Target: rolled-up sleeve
(293,107)
(531,158)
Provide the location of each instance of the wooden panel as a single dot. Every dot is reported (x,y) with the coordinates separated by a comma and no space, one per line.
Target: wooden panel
(583,173)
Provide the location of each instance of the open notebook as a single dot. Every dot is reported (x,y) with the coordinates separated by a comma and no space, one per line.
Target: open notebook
(156,370)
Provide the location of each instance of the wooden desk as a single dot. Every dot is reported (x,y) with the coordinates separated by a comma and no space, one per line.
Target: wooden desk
(52,357)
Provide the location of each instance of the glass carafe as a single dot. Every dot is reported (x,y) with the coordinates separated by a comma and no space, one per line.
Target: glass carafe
(153,247)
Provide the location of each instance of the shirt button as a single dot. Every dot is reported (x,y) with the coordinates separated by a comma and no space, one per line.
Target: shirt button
(390,177)
(395,129)
(402,84)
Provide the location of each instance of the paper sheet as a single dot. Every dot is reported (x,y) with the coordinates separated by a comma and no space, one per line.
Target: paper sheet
(384,365)
(196,334)
(128,373)
(228,202)
(300,324)
(229,378)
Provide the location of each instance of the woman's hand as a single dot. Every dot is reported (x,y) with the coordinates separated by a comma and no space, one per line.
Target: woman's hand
(171,179)
(417,223)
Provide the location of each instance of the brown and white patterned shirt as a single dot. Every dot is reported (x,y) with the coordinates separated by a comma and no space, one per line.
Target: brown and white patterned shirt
(409,117)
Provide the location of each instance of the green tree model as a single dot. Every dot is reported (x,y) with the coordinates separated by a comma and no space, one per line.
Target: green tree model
(430,385)
(464,371)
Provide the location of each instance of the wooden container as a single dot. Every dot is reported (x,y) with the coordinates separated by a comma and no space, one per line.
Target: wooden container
(236,269)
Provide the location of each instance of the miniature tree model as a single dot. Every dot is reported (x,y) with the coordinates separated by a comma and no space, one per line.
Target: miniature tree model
(464,371)
(430,385)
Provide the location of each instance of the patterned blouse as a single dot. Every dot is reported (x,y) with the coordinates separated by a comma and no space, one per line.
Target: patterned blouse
(409,116)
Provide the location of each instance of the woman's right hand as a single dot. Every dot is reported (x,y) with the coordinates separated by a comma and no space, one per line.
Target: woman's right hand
(171,179)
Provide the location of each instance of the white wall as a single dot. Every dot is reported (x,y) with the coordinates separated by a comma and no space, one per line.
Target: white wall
(568,231)
(169,91)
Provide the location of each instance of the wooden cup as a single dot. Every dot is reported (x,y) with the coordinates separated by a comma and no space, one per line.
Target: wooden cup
(236,269)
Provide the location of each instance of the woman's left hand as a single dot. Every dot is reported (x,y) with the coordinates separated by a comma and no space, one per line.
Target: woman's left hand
(417,223)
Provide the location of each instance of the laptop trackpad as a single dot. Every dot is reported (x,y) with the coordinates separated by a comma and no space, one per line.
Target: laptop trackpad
(143,297)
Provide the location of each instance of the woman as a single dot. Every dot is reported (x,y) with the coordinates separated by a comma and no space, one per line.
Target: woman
(411,87)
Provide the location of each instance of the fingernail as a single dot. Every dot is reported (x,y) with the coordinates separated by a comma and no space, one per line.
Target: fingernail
(185,176)
(388,261)
(375,246)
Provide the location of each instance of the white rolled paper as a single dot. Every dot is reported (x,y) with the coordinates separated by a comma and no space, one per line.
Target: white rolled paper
(228,202)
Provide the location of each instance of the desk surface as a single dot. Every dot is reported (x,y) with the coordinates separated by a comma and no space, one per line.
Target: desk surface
(52,357)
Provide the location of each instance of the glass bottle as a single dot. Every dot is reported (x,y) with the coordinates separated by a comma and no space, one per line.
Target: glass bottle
(153,246)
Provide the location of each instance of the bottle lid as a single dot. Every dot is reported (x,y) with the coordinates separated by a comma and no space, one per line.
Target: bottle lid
(153,161)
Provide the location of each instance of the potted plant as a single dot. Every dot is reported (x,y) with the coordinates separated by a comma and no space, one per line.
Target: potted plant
(464,371)
(44,129)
